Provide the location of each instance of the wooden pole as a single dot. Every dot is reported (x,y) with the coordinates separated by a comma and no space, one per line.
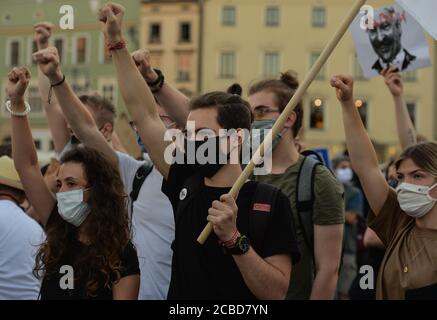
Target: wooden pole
(279,124)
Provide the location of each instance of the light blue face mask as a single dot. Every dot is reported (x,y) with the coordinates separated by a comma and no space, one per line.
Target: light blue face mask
(262,125)
(71,206)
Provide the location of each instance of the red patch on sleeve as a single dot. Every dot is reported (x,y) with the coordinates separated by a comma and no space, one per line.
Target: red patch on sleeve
(262,207)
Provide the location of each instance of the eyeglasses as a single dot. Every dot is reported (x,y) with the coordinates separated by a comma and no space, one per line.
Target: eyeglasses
(261,111)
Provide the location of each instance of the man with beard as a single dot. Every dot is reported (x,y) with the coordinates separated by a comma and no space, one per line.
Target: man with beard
(385,38)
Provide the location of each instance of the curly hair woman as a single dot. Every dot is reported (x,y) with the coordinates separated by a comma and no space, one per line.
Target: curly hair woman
(87,253)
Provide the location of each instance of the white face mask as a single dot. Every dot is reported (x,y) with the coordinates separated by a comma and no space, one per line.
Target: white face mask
(415,200)
(71,206)
(344,175)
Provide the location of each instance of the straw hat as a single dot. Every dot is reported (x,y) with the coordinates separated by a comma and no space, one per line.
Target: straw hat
(8,175)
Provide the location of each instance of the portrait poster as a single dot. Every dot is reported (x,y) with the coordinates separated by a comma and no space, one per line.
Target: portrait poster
(395,39)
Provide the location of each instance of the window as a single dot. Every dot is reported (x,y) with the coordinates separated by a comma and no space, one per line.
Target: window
(155,33)
(228,16)
(227,65)
(271,64)
(313,58)
(184,66)
(272,16)
(362,109)
(51,145)
(319,17)
(410,76)
(34,99)
(411,107)
(81,50)
(316,114)
(108,92)
(59,44)
(13,53)
(185,32)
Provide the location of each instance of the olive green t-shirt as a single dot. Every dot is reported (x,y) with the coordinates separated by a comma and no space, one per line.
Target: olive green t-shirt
(328,209)
(409,267)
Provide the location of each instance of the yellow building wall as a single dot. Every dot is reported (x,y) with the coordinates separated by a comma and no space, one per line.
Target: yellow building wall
(295,39)
(169,14)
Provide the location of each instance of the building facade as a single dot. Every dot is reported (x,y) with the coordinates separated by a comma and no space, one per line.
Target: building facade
(84,60)
(170,31)
(244,41)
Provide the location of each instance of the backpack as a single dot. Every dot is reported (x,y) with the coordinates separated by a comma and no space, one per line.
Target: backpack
(263,202)
(140,176)
(305,198)
(305,195)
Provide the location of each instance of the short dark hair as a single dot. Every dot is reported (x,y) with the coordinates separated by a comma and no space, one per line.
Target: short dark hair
(233,112)
(104,109)
(284,88)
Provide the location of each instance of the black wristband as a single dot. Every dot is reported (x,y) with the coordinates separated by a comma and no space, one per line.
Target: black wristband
(157,84)
(54,85)
(157,80)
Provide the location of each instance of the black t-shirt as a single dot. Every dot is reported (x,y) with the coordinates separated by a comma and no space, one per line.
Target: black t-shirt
(205,271)
(51,289)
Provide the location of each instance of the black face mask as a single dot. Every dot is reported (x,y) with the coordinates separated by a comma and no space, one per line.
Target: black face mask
(211,164)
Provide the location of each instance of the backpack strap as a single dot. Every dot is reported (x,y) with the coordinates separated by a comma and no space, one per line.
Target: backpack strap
(305,199)
(261,210)
(141,175)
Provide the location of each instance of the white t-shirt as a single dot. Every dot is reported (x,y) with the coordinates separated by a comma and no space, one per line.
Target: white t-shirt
(153,229)
(20,237)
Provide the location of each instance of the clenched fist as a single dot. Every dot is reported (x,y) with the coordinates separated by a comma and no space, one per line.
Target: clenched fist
(344,85)
(18,80)
(142,60)
(111,15)
(48,60)
(43,31)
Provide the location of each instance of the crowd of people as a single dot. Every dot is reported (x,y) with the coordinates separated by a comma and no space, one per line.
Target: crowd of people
(96,223)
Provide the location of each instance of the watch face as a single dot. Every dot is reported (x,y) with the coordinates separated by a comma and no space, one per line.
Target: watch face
(244,244)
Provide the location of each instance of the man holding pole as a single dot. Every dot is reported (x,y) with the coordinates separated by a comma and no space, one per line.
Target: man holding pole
(228,266)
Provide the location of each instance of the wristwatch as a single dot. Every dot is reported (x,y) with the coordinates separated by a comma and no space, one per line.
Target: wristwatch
(242,246)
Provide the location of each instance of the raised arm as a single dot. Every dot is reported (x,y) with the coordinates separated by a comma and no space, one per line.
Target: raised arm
(136,94)
(55,118)
(405,127)
(361,151)
(77,115)
(23,149)
(174,102)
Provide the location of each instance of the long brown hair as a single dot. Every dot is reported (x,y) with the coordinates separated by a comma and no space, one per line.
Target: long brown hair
(107,226)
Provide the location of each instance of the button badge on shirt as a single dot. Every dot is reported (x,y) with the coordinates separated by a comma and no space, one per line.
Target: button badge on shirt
(183,194)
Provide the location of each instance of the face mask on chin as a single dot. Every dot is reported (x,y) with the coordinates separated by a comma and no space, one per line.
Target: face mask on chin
(415,200)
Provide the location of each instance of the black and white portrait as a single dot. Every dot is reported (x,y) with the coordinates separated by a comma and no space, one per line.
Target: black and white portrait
(395,39)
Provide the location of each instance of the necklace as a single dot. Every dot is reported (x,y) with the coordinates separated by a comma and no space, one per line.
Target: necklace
(406,269)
